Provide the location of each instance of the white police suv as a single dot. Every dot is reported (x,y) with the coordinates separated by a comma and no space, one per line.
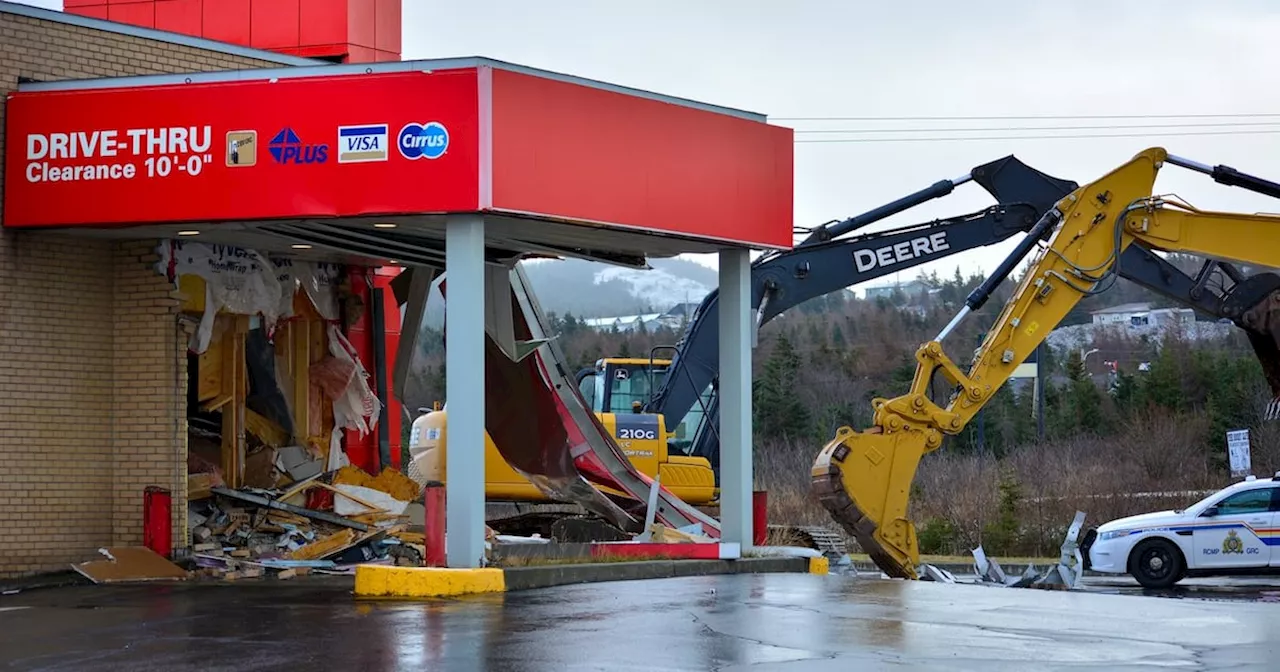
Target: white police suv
(1234,530)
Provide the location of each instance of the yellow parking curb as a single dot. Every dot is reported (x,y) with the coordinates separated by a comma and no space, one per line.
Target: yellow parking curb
(383,581)
(819,565)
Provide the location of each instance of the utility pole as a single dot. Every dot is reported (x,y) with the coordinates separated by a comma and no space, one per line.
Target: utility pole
(982,433)
(1040,391)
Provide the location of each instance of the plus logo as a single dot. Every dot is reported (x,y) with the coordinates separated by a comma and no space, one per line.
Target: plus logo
(287,148)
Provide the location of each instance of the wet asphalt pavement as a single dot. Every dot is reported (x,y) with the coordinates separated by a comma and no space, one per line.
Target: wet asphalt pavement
(731,622)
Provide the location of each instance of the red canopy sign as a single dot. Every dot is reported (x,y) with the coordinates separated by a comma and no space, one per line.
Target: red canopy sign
(452,140)
(304,147)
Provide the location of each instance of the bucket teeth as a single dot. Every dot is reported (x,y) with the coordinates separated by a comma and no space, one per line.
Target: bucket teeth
(830,491)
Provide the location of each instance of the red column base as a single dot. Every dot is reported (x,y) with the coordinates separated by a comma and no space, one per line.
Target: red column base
(433,525)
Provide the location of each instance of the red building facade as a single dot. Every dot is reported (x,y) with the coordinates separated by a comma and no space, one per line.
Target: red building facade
(343,31)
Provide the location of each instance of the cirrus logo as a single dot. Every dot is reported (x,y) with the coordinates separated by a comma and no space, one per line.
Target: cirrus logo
(423,141)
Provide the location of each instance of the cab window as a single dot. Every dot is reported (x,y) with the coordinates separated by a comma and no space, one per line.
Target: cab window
(1250,501)
(587,386)
(630,384)
(689,428)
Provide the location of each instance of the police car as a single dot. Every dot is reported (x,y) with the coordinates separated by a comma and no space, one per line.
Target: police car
(1233,531)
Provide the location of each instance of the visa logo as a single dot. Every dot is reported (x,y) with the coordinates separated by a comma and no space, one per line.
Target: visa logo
(359,144)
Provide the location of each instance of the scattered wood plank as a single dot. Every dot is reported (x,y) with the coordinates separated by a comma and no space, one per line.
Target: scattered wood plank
(370,536)
(324,546)
(298,488)
(297,510)
(411,537)
(129,563)
(198,486)
(373,508)
(265,429)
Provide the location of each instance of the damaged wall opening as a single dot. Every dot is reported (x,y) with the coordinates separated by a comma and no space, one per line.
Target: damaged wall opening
(273,384)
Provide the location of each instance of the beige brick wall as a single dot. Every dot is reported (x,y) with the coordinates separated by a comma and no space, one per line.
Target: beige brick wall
(92,362)
(149,387)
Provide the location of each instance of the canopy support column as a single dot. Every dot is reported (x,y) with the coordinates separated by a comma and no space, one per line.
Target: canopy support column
(735,398)
(464,389)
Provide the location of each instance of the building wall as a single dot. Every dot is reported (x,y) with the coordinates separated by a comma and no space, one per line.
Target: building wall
(148,391)
(92,362)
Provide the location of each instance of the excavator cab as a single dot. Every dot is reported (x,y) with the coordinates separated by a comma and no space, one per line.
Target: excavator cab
(615,385)
(622,385)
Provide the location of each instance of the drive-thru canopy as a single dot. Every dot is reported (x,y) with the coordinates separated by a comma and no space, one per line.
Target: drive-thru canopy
(444,166)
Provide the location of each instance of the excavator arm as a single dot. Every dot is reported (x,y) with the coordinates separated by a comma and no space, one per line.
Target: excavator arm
(863,478)
(825,263)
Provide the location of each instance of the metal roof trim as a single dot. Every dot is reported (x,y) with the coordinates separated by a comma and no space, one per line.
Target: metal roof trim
(321,69)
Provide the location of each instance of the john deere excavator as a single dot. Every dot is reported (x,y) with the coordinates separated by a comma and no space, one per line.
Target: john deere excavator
(1097,231)
(681,391)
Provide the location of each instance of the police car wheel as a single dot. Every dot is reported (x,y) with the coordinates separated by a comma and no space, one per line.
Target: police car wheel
(1156,563)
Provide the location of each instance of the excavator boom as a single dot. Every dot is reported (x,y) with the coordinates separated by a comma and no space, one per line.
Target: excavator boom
(825,263)
(863,478)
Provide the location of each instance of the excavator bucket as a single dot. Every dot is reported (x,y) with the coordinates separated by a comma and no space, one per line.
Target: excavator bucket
(877,468)
(1261,322)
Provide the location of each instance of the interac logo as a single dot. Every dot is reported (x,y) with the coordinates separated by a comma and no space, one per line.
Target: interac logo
(242,148)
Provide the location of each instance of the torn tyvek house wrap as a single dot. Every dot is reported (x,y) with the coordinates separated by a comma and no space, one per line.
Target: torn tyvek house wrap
(318,280)
(245,282)
(344,379)
(239,280)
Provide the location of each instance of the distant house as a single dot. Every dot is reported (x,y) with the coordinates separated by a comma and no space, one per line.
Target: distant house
(674,318)
(908,289)
(681,311)
(622,322)
(1142,315)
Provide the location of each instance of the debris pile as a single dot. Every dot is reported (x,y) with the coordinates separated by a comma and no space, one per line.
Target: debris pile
(327,523)
(1064,575)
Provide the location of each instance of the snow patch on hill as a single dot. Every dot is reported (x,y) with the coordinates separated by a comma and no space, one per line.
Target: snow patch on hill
(657,287)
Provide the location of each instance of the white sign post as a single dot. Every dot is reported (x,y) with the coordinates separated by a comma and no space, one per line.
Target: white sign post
(1238,452)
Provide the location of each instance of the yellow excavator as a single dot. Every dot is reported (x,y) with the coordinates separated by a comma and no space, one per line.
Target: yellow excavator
(517,506)
(863,477)
(643,438)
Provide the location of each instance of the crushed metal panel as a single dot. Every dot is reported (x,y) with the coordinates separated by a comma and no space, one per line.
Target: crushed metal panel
(498,318)
(988,569)
(1070,564)
(417,287)
(932,573)
(523,418)
(597,453)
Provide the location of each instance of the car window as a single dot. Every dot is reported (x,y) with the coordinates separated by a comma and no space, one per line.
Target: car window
(1250,501)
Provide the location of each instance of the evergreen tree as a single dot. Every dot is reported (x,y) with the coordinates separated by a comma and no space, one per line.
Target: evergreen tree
(779,412)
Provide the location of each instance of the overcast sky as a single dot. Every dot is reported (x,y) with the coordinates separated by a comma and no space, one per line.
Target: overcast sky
(810,58)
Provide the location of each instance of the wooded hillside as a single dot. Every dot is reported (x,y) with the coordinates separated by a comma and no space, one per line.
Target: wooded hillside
(818,367)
